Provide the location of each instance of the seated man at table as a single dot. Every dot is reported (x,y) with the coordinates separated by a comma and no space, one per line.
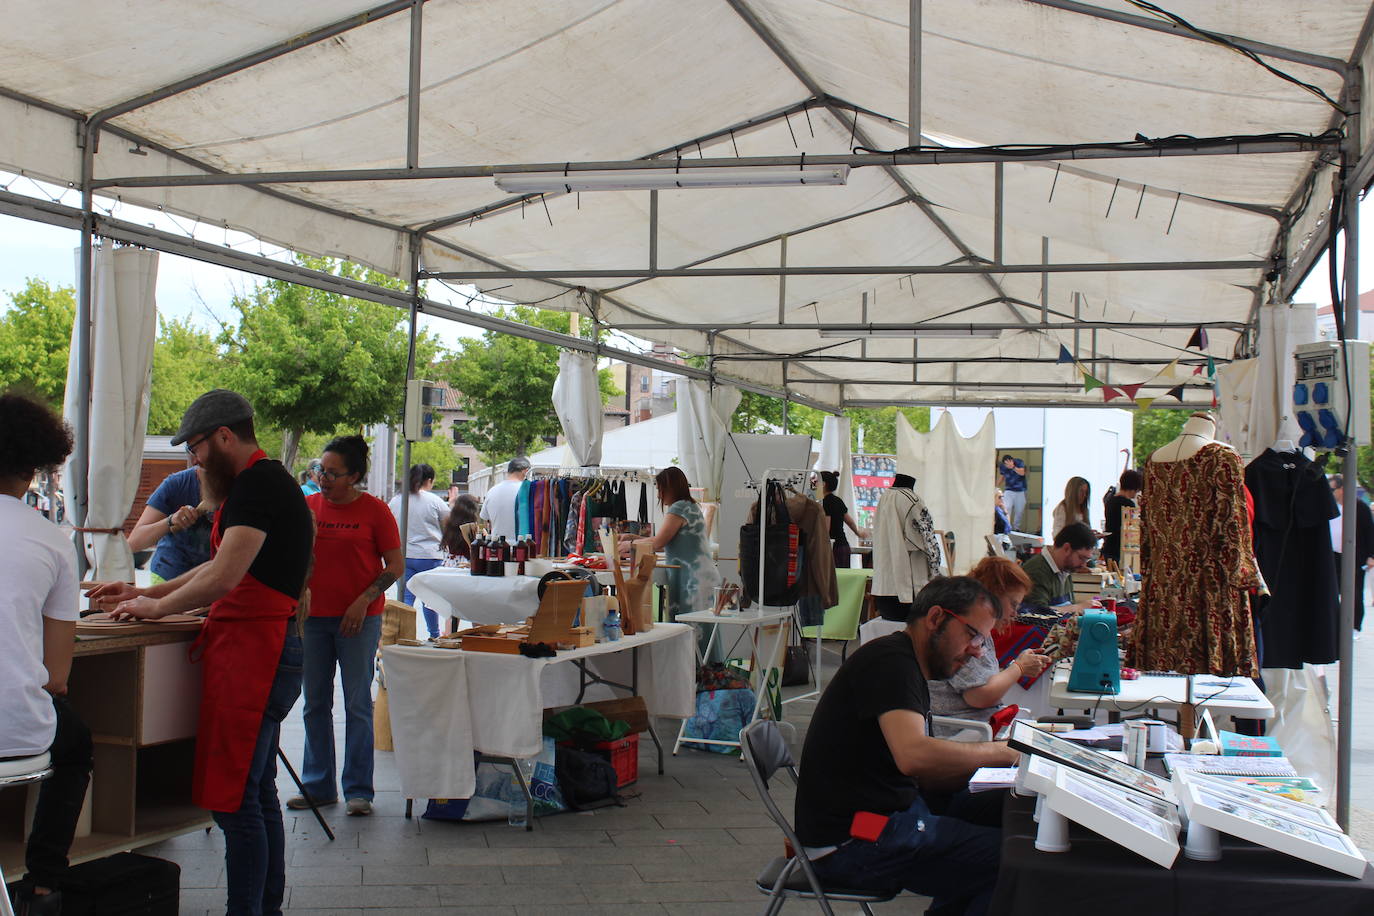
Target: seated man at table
(1051,571)
(39,599)
(867,750)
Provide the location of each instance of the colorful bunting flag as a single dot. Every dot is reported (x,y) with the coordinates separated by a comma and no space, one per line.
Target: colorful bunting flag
(1144,403)
(1211,368)
(1175,392)
(1130,390)
(1064,355)
(1199,338)
(1089,383)
(1108,392)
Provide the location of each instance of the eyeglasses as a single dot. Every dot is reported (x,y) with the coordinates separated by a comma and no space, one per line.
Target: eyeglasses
(973,632)
(192,446)
(333,475)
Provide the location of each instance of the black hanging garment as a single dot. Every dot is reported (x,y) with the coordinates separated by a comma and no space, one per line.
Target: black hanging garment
(1300,620)
(783,545)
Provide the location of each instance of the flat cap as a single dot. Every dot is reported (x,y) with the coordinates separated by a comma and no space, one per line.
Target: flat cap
(213,409)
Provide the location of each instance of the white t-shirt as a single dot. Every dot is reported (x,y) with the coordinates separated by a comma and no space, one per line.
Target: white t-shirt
(38,579)
(499,508)
(425,524)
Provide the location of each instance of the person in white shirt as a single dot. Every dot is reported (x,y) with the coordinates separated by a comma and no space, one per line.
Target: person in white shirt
(498,508)
(424,530)
(39,601)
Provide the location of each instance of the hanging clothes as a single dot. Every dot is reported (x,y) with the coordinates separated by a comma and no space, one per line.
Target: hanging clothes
(906,551)
(1300,619)
(1197,565)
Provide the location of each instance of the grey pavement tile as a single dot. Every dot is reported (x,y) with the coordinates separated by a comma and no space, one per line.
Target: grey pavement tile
(324,876)
(743,869)
(620,855)
(206,872)
(447,833)
(430,874)
(351,855)
(468,855)
(682,891)
(756,856)
(594,909)
(652,804)
(756,836)
(440,911)
(563,875)
(734,818)
(510,895)
(689,836)
(392,895)
(619,820)
(525,838)
(201,898)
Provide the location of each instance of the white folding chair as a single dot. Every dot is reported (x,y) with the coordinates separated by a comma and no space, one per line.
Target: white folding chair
(20,771)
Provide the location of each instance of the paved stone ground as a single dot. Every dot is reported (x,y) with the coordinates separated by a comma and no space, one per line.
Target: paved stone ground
(690,841)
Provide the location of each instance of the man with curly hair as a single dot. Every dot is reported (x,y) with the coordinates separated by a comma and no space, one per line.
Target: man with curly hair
(39,600)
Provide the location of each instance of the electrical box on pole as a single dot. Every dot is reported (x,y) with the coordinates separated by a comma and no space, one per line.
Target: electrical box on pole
(1331,392)
(422,400)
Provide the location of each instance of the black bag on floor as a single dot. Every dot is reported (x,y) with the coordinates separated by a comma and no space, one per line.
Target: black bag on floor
(586,780)
(123,884)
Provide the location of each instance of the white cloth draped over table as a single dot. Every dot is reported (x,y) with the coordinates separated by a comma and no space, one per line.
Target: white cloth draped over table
(835,455)
(954,475)
(577,402)
(481,599)
(123,326)
(446,703)
(703,422)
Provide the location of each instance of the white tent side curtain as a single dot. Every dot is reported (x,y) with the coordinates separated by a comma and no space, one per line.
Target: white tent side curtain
(995,72)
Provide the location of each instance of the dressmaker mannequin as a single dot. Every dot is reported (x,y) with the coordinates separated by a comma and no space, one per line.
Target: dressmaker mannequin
(1198,430)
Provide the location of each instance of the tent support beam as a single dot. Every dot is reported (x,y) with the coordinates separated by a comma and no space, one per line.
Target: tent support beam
(860,327)
(413,108)
(1126,404)
(913,82)
(250,60)
(968,360)
(978,269)
(1234,146)
(982,386)
(1159,25)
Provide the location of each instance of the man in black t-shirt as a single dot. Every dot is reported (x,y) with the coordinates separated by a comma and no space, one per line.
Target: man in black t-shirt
(867,751)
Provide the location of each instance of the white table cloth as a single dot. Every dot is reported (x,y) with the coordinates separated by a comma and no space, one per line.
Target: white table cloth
(446,703)
(481,599)
(1233,696)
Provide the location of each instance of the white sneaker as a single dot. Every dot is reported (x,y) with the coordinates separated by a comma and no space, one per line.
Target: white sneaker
(358,807)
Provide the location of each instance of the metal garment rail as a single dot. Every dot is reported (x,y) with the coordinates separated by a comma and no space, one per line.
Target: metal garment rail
(787,476)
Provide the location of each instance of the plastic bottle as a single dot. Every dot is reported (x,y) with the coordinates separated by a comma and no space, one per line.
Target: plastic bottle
(611,626)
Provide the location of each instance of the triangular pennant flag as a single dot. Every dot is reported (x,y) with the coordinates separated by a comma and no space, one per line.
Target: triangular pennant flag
(1197,370)
(1108,392)
(1199,338)
(1168,371)
(1175,392)
(1214,400)
(1130,390)
(1144,403)
(1089,383)
(1211,368)
(1064,355)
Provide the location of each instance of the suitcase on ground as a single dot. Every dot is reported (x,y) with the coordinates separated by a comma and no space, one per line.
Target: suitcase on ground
(123,884)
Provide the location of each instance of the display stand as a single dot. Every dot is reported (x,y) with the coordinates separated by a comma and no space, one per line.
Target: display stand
(794,478)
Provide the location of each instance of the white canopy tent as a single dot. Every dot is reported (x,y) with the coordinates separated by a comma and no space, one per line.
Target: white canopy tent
(1007,182)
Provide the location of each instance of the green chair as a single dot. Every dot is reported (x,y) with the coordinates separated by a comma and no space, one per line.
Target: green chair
(842,621)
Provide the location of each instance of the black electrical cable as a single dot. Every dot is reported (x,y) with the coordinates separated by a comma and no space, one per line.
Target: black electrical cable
(1141,143)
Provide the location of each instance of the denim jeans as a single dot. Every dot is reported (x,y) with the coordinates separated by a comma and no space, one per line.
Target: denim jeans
(950,860)
(254,837)
(356,658)
(1015,501)
(416,565)
(59,800)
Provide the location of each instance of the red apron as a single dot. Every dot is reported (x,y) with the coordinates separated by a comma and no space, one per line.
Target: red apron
(239,648)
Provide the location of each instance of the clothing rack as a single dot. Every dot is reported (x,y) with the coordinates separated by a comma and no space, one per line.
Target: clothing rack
(637,475)
(793,478)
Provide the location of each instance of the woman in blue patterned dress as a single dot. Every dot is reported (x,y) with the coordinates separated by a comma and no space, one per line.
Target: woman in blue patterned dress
(682,538)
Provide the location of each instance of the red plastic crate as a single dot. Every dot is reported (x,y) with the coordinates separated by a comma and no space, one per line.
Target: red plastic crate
(623,754)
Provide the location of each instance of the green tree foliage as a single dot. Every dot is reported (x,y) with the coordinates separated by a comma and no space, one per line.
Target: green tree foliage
(1153,428)
(312,361)
(505,383)
(879,425)
(35,338)
(186,363)
(438,453)
(758,413)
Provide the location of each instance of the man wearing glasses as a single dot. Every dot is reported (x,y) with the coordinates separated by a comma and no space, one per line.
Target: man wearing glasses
(249,647)
(868,753)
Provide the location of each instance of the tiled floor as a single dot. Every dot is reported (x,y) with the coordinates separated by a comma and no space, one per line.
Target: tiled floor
(689,842)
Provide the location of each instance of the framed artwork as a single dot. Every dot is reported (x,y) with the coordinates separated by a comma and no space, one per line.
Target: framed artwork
(1098,804)
(1040,775)
(1031,740)
(1310,815)
(1266,827)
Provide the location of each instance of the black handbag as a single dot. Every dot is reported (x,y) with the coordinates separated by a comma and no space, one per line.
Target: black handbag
(783,546)
(796,666)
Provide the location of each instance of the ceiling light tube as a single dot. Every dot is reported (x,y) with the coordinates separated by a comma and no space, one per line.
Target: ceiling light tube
(916,331)
(670,179)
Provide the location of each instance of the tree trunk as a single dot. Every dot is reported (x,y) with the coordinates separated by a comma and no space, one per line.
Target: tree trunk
(290,444)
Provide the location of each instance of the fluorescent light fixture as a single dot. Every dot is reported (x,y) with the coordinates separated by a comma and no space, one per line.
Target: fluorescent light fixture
(669,179)
(916,331)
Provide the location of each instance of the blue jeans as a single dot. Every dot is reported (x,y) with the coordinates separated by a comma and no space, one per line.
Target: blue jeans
(254,839)
(356,658)
(944,858)
(417,565)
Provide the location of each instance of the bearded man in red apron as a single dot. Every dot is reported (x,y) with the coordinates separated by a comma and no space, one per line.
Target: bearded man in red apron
(249,648)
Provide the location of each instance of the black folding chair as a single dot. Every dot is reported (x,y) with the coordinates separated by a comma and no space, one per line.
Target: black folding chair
(765,752)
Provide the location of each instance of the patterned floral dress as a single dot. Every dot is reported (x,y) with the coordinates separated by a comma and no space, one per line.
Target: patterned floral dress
(690,585)
(1198,563)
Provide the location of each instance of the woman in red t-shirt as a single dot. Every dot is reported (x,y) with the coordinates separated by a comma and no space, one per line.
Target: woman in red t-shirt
(357,557)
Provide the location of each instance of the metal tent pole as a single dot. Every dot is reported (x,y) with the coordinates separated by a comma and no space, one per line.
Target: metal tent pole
(913,89)
(1350,296)
(410,374)
(79,467)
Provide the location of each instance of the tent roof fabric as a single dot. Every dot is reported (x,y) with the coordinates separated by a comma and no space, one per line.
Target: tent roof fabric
(515,81)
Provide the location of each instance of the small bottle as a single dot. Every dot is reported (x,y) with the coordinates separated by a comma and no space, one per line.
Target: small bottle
(519,553)
(611,626)
(477,556)
(495,565)
(504,547)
